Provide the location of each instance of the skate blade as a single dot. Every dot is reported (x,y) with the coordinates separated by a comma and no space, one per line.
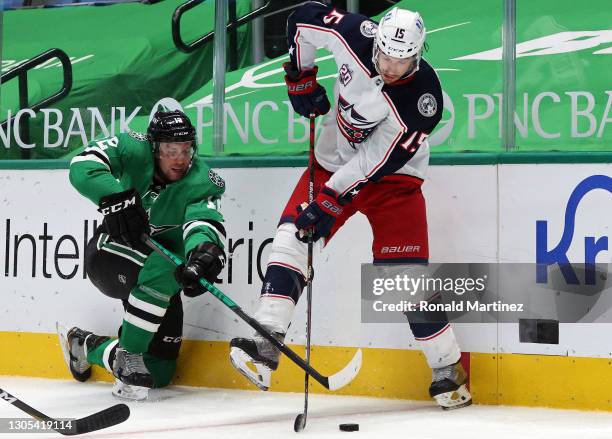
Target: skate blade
(454,400)
(62,334)
(240,360)
(126,392)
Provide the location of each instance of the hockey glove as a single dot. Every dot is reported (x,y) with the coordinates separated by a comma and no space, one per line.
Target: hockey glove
(320,215)
(124,217)
(305,94)
(205,261)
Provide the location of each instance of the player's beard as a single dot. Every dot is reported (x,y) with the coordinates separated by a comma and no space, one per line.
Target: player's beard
(173,174)
(389,79)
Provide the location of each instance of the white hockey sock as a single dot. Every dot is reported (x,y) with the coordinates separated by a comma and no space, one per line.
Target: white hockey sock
(275,312)
(440,349)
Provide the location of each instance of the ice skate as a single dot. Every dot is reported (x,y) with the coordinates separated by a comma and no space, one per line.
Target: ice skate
(449,388)
(75,344)
(133,378)
(262,355)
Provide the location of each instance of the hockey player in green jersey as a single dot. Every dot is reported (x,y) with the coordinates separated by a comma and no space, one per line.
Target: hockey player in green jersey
(153,184)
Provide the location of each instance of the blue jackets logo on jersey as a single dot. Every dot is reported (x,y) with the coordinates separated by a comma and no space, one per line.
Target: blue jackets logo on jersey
(353,126)
(558,255)
(368,29)
(427,105)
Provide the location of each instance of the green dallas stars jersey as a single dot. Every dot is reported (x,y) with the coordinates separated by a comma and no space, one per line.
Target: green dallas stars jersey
(182,214)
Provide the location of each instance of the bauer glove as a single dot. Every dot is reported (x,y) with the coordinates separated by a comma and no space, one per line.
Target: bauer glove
(319,216)
(305,94)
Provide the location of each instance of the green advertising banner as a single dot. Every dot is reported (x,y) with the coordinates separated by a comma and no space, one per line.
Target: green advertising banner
(563,84)
(123,59)
(563,87)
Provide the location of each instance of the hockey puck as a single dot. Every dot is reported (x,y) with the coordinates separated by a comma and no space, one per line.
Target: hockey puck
(349,427)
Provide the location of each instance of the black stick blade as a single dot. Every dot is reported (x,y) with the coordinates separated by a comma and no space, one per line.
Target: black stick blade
(299,423)
(103,419)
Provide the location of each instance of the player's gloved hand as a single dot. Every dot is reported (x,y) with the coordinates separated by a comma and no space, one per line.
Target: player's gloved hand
(305,94)
(319,216)
(205,261)
(124,217)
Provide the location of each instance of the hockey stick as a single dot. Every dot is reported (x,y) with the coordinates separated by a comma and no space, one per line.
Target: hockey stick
(300,420)
(105,418)
(332,382)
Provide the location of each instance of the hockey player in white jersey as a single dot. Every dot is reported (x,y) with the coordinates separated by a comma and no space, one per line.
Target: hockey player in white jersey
(371,157)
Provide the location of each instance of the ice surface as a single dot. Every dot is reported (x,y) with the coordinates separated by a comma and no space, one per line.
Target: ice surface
(187,412)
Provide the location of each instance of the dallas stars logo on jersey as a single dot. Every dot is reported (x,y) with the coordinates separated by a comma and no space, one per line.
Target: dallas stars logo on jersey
(216,178)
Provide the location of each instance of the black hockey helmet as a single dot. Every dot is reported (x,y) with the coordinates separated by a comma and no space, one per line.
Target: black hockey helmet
(170,126)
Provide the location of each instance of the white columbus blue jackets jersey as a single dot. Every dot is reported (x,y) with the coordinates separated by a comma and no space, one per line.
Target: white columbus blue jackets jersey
(374,129)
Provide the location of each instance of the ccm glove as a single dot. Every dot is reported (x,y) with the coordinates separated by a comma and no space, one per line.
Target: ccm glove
(205,261)
(305,94)
(319,216)
(124,217)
